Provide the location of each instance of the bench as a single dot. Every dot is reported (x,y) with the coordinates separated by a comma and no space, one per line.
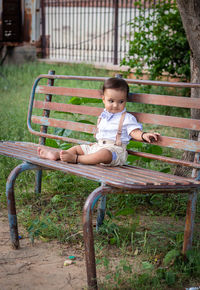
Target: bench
(55,113)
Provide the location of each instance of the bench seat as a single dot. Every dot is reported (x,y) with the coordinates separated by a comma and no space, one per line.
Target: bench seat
(125,177)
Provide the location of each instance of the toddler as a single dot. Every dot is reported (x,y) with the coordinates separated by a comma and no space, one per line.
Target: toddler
(115,128)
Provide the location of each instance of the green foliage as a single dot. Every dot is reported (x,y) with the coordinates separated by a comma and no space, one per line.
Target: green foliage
(79,101)
(159,42)
(170,257)
(119,235)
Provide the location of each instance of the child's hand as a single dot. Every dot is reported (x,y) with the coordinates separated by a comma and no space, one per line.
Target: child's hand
(150,137)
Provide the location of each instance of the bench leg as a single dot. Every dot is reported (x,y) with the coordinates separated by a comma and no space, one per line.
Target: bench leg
(88,234)
(101,212)
(12,217)
(189,222)
(38,181)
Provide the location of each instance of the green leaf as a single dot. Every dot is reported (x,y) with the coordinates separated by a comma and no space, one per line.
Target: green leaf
(66,113)
(170,257)
(147,160)
(67,132)
(170,278)
(155,149)
(131,159)
(75,101)
(56,198)
(166,170)
(51,143)
(79,101)
(86,122)
(59,131)
(134,144)
(147,266)
(65,146)
(91,101)
(125,212)
(127,269)
(113,241)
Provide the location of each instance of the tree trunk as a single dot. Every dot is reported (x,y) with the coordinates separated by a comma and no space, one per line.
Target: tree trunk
(190,15)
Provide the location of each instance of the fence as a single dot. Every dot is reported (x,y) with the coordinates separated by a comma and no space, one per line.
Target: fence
(88,31)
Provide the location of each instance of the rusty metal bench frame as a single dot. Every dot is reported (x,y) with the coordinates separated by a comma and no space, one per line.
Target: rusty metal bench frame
(133,179)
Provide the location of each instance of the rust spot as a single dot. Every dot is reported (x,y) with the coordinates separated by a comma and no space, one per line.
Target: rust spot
(27,25)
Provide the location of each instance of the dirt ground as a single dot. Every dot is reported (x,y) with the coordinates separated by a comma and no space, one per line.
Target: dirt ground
(39,266)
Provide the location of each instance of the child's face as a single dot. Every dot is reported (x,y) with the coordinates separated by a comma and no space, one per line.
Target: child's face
(114,100)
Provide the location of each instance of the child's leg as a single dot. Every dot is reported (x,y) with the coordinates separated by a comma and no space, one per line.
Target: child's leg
(101,156)
(71,154)
(48,153)
(54,154)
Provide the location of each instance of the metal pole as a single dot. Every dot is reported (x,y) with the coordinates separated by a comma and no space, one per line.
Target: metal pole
(43,29)
(116,11)
(38,180)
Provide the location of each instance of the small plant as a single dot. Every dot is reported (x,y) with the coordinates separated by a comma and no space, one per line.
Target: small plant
(117,233)
(159,42)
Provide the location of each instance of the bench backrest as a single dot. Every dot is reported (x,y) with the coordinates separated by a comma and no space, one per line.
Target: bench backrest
(73,103)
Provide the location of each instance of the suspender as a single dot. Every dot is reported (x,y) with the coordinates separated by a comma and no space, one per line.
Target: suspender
(118,141)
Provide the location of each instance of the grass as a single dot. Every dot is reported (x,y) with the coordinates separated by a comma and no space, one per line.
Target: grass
(139,245)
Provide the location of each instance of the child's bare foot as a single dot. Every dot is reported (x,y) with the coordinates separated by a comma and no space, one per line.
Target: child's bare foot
(48,154)
(68,157)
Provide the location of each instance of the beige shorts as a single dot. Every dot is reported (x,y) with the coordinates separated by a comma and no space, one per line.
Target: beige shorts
(119,153)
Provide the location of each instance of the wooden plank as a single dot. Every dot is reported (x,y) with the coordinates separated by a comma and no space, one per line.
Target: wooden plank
(133,175)
(163,176)
(165,159)
(84,110)
(56,123)
(164,100)
(178,143)
(147,174)
(177,122)
(72,92)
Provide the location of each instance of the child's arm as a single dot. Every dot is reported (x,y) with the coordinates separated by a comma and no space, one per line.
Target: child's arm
(139,135)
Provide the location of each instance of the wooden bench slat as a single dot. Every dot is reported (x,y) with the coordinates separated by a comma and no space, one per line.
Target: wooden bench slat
(178,143)
(177,122)
(153,175)
(77,109)
(165,159)
(154,99)
(130,175)
(56,123)
(72,92)
(163,175)
(164,100)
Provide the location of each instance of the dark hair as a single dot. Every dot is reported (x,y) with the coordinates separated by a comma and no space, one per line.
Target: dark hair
(116,84)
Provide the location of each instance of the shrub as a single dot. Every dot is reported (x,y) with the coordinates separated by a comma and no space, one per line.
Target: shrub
(159,42)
